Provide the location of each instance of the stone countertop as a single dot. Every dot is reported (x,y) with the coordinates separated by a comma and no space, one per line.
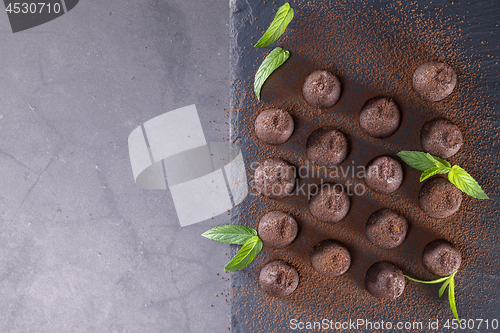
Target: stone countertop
(82,248)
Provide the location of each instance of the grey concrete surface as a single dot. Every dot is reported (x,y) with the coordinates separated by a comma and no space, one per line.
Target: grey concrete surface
(82,248)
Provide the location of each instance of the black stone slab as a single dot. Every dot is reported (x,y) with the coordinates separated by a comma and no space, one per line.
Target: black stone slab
(477,282)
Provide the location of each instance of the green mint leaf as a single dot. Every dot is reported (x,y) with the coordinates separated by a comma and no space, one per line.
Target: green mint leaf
(440,160)
(274,59)
(277,27)
(451,297)
(245,255)
(461,179)
(417,159)
(230,233)
(429,173)
(427,282)
(449,281)
(443,287)
(444,171)
(443,165)
(256,250)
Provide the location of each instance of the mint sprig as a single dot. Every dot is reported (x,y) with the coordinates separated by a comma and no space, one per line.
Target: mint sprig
(433,165)
(230,233)
(241,235)
(274,59)
(245,255)
(461,179)
(277,27)
(417,160)
(449,281)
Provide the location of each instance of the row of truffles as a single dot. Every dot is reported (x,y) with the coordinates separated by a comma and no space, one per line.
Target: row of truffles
(276,179)
(432,81)
(380,117)
(278,230)
(383,279)
(385,229)
(327,146)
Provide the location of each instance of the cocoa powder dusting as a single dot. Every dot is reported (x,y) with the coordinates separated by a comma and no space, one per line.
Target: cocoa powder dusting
(373,48)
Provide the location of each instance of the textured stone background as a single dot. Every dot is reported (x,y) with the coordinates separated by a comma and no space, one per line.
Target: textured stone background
(82,248)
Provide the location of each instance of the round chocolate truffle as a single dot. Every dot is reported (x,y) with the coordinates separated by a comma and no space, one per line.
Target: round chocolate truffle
(380,117)
(331,204)
(384,174)
(274,126)
(330,258)
(278,279)
(275,178)
(439,198)
(277,229)
(384,280)
(441,137)
(327,147)
(386,229)
(434,81)
(441,257)
(321,89)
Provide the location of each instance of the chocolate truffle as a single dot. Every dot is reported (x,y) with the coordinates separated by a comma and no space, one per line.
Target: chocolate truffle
(439,198)
(321,89)
(330,258)
(384,280)
(441,257)
(274,126)
(277,229)
(380,117)
(327,147)
(278,279)
(434,81)
(441,137)
(275,178)
(384,174)
(331,204)
(386,228)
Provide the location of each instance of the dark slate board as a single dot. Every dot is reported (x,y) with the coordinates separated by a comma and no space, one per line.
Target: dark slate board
(478,289)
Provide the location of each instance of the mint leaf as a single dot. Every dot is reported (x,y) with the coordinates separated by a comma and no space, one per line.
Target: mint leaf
(245,255)
(417,159)
(274,59)
(450,283)
(442,165)
(439,160)
(427,282)
(230,233)
(277,27)
(451,297)
(429,173)
(237,234)
(443,287)
(444,171)
(461,179)
(432,165)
